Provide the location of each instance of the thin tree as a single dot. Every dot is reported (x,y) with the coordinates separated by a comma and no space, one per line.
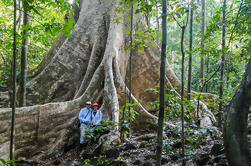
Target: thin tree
(182,93)
(162,85)
(183,28)
(22,99)
(130,64)
(222,62)
(13,83)
(207,70)
(202,40)
(190,52)
(158,26)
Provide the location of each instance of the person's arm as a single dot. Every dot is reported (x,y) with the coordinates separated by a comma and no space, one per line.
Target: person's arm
(81,115)
(99,118)
(86,118)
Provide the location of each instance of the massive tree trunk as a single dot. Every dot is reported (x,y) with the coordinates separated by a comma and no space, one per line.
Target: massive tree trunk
(90,65)
(235,127)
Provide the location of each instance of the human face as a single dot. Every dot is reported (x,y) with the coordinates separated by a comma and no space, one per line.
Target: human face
(95,108)
(88,105)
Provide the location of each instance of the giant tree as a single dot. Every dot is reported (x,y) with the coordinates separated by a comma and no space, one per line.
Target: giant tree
(89,65)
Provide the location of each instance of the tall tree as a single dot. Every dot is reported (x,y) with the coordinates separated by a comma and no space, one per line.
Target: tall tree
(182,92)
(190,52)
(162,84)
(13,83)
(202,40)
(22,99)
(183,29)
(130,63)
(222,62)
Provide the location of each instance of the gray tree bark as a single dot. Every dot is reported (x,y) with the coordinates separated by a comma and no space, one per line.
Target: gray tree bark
(220,113)
(162,85)
(235,124)
(190,52)
(202,40)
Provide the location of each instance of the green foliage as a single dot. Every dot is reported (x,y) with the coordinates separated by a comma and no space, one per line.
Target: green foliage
(127,114)
(236,49)
(87,162)
(46,21)
(100,130)
(197,137)
(194,139)
(173,105)
(7,163)
(143,37)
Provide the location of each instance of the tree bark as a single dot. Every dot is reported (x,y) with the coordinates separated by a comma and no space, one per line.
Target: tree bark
(22,97)
(162,85)
(202,40)
(235,123)
(182,92)
(14,62)
(190,53)
(222,65)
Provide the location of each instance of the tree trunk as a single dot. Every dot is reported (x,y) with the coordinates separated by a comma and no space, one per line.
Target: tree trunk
(162,86)
(182,92)
(22,97)
(90,65)
(235,124)
(202,40)
(130,65)
(190,53)
(222,65)
(14,62)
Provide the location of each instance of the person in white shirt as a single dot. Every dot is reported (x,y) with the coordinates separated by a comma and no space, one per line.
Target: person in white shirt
(96,116)
(85,120)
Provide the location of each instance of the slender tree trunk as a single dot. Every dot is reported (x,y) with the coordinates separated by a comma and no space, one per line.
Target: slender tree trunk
(236,122)
(22,99)
(190,53)
(20,16)
(207,65)
(222,65)
(182,93)
(130,63)
(202,40)
(147,15)
(14,84)
(162,85)
(157,19)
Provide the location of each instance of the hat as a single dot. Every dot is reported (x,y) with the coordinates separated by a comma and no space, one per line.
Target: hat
(95,104)
(88,103)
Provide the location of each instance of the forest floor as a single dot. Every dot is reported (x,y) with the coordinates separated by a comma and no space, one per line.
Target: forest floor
(203,147)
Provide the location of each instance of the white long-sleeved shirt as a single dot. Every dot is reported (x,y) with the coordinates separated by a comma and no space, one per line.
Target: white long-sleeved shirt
(97,118)
(85,115)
